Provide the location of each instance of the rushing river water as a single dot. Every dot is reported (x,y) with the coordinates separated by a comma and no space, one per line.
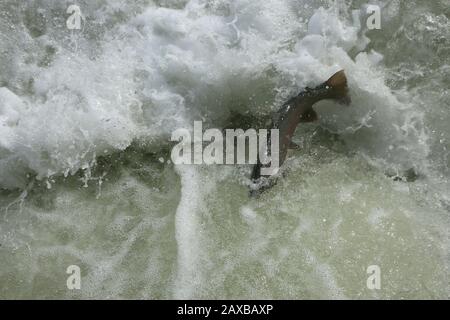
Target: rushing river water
(86,118)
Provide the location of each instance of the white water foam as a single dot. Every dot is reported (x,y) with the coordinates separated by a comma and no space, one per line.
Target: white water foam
(187,234)
(166,67)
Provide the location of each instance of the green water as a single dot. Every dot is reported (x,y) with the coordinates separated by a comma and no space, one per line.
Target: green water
(107,200)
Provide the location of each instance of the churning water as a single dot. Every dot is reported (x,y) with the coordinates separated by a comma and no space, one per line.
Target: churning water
(85,122)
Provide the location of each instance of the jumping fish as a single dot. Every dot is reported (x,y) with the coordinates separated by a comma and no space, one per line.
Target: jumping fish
(299,109)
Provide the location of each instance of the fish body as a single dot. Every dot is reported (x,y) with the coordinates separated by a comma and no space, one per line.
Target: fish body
(299,109)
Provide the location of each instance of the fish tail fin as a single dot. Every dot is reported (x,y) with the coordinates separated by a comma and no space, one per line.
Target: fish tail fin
(338,88)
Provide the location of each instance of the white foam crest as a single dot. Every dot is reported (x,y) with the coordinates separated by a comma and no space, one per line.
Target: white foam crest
(187,233)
